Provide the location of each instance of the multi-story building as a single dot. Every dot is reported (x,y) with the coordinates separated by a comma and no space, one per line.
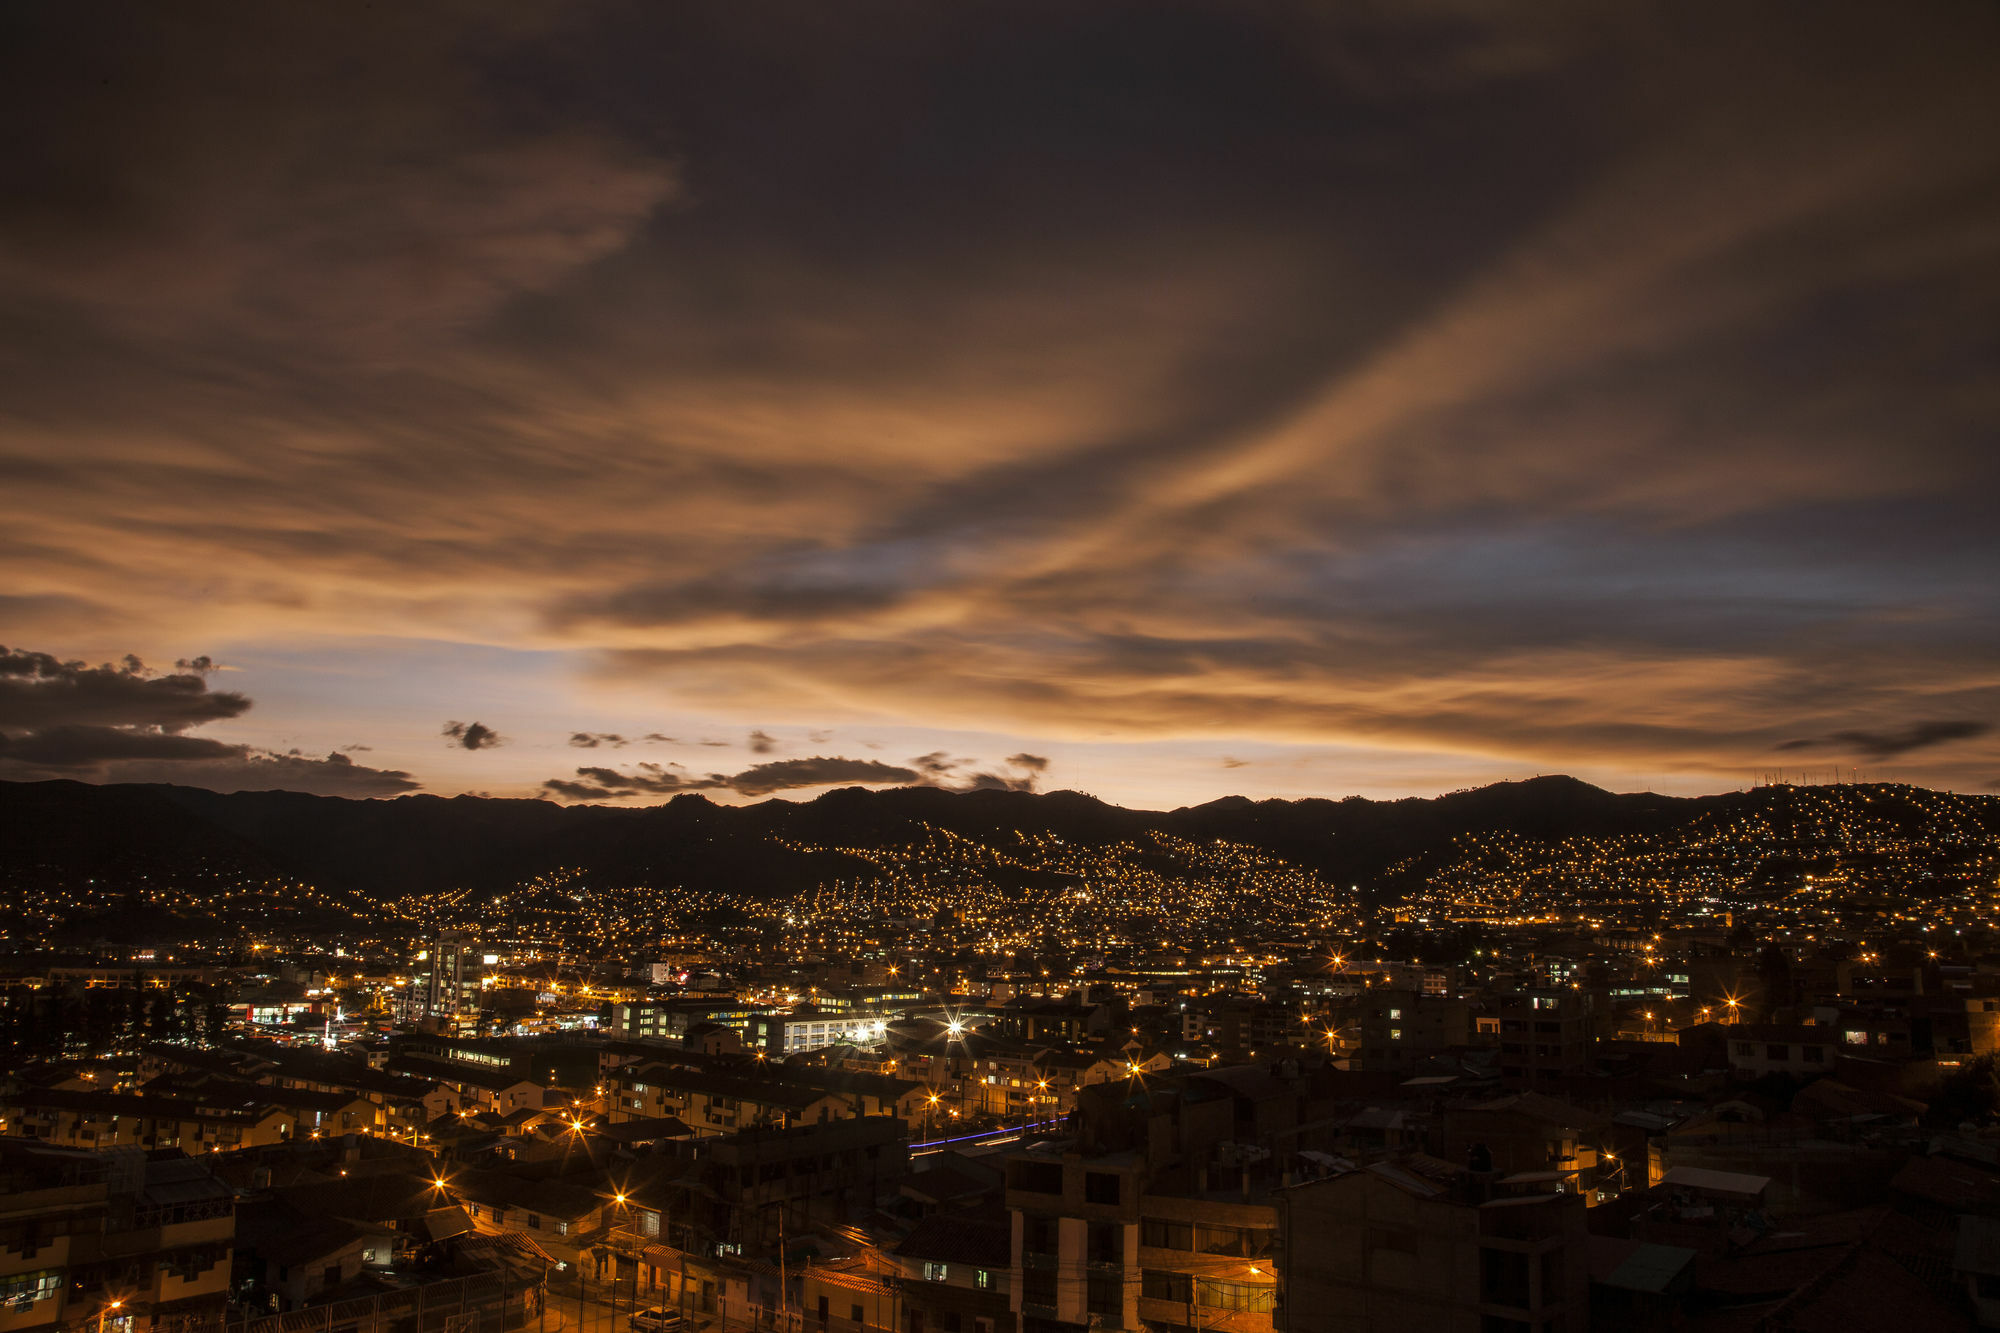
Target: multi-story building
(123,1238)
(1418,1244)
(1160,1212)
(452,978)
(735,1195)
(1545,1035)
(669,1020)
(1393,1029)
(954,1275)
(812,1029)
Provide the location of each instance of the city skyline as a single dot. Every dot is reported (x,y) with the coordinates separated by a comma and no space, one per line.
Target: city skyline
(615,403)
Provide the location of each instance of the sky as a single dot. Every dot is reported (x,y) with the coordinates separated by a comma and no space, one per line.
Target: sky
(605,401)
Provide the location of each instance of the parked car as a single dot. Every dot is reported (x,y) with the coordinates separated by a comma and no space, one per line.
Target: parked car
(659,1319)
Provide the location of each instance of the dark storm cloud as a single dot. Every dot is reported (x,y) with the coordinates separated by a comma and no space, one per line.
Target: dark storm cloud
(600,784)
(1558,384)
(472,735)
(123,723)
(1901,740)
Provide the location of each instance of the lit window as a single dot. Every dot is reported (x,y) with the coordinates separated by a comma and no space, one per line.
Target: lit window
(936,1272)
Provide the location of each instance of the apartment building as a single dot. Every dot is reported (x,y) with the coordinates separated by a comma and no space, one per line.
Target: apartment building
(1418,1244)
(145,1239)
(1545,1035)
(1159,1211)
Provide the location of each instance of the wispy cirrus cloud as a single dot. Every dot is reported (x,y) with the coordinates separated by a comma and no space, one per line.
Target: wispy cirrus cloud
(1303,376)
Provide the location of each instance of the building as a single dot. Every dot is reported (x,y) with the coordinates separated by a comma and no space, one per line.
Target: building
(1395,1029)
(98,1120)
(1160,1211)
(1756,1049)
(715,1103)
(146,1238)
(1545,1035)
(727,1196)
(451,985)
(812,1029)
(1418,1244)
(670,1020)
(955,1272)
(1528,1133)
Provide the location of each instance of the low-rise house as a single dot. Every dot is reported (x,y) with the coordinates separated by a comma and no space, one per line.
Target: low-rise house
(478,1088)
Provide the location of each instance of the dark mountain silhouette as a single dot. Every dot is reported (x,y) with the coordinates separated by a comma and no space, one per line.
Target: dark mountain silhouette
(54,834)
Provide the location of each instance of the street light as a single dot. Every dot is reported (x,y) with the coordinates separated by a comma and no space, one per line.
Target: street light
(114,1305)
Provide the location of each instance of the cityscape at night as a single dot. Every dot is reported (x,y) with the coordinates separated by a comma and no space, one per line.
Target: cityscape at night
(1001,667)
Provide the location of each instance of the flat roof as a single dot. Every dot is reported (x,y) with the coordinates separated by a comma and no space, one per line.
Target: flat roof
(1717,1182)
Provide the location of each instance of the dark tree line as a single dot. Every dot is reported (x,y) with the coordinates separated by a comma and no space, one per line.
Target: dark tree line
(68,1019)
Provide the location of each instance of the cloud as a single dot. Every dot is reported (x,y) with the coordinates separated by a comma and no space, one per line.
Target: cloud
(936,764)
(1227,762)
(782,774)
(37,691)
(262,770)
(1902,740)
(1357,391)
(473,735)
(124,723)
(83,746)
(762,743)
(595,783)
(590,740)
(938,769)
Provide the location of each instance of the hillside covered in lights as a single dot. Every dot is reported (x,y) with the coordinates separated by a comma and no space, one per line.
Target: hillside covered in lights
(1006,869)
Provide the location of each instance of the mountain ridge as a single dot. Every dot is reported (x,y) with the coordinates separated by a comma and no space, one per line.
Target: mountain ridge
(61,831)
